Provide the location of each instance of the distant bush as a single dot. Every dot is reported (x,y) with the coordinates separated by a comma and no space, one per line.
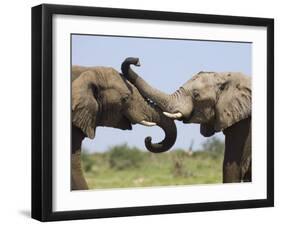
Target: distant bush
(123,157)
(178,151)
(214,146)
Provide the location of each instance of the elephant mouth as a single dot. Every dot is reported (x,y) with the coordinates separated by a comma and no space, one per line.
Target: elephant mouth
(188,119)
(128,123)
(130,120)
(125,123)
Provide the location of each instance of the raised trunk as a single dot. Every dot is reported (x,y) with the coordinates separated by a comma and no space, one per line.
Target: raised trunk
(176,106)
(162,99)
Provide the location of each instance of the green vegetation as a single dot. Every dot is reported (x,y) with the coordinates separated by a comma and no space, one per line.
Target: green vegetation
(122,157)
(123,166)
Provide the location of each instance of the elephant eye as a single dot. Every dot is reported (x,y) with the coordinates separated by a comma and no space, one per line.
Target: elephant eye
(125,98)
(195,94)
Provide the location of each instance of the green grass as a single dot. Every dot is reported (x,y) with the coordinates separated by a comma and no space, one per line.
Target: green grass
(145,169)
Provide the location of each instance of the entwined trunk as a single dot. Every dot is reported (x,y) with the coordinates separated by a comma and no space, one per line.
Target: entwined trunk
(170,129)
(172,103)
(162,99)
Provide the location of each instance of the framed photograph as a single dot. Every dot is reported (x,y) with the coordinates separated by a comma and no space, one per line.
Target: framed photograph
(145,112)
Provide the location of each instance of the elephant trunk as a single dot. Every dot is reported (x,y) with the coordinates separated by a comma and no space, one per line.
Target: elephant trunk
(172,105)
(162,99)
(170,129)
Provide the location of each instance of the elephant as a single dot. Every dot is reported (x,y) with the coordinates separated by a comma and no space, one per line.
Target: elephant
(101,96)
(216,101)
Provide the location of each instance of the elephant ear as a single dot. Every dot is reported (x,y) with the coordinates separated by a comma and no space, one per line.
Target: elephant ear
(84,104)
(207,129)
(234,100)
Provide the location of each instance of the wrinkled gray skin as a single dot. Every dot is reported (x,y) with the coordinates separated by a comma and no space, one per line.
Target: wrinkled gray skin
(218,102)
(102,97)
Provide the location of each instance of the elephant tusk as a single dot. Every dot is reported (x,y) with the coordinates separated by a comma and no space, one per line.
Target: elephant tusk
(173,115)
(146,123)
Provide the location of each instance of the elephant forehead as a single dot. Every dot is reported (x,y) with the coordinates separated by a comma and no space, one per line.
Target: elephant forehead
(110,78)
(202,78)
(200,82)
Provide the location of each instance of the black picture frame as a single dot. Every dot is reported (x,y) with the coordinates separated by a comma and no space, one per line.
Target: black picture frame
(42,111)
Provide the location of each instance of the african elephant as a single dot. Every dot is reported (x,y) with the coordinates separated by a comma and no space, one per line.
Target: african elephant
(218,102)
(101,96)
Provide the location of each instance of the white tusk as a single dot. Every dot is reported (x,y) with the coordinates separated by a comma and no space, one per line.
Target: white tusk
(173,115)
(146,123)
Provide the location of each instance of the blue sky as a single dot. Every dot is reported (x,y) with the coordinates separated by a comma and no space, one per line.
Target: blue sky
(165,64)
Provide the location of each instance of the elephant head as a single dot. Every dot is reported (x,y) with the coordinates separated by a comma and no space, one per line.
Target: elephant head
(214,100)
(101,96)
